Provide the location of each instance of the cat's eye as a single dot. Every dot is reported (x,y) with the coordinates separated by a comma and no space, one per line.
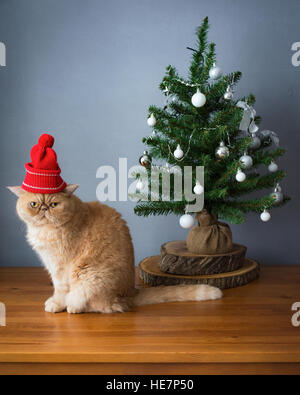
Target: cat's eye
(54,204)
(33,204)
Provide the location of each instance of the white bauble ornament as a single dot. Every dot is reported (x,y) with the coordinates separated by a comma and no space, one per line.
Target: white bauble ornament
(247,161)
(265,216)
(140,185)
(255,143)
(198,99)
(198,188)
(222,151)
(277,195)
(240,176)
(178,153)
(228,95)
(273,167)
(186,221)
(215,72)
(151,121)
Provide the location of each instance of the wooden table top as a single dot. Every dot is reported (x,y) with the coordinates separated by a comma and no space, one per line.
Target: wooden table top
(250,324)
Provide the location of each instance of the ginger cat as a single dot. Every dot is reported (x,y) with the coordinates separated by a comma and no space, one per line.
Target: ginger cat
(88,252)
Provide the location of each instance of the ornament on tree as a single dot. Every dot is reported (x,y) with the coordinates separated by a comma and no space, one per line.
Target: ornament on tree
(222,151)
(198,99)
(255,143)
(178,153)
(198,188)
(140,185)
(265,216)
(145,159)
(228,95)
(273,167)
(246,160)
(151,121)
(248,120)
(277,194)
(272,136)
(240,176)
(186,221)
(215,72)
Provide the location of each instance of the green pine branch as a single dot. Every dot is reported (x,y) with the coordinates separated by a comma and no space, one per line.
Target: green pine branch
(199,54)
(159,208)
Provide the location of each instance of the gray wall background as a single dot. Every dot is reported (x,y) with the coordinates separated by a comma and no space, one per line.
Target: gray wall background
(86,71)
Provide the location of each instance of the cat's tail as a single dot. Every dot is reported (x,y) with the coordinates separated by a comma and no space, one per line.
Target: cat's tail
(176,293)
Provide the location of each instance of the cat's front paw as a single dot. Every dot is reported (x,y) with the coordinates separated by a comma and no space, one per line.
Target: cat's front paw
(74,310)
(53,306)
(75,303)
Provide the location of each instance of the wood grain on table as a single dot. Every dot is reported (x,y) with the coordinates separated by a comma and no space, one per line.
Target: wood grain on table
(249,330)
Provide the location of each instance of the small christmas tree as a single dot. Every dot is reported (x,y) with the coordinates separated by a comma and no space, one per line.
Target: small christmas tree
(203,125)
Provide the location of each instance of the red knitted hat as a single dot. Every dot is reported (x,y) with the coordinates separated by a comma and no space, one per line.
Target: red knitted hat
(43,173)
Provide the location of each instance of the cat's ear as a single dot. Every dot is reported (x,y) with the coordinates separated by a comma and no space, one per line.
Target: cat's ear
(18,191)
(70,188)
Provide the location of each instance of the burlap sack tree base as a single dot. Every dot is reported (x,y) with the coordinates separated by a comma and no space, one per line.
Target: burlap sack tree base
(152,275)
(210,236)
(177,259)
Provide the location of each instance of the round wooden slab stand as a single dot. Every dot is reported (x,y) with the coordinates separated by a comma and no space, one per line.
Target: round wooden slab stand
(152,275)
(177,259)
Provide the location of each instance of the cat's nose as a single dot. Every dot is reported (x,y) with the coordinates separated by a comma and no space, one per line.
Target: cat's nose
(44,208)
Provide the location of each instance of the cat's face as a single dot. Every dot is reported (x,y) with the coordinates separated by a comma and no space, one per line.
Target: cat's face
(44,209)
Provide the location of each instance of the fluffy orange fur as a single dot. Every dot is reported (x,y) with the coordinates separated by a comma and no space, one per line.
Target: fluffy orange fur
(88,251)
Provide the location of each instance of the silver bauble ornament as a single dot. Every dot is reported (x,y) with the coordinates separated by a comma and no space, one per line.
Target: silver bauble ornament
(246,161)
(198,99)
(222,151)
(273,167)
(215,72)
(277,195)
(145,159)
(228,95)
(255,143)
